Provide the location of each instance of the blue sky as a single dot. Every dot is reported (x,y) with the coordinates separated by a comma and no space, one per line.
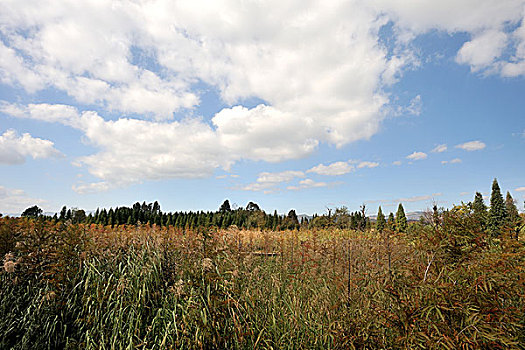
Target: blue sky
(291,105)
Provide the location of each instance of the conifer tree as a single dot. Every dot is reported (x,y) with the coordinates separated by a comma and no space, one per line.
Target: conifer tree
(380,224)
(63,213)
(480,210)
(513,217)
(401,219)
(497,212)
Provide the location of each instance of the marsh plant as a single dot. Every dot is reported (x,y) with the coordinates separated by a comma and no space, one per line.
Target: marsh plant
(445,284)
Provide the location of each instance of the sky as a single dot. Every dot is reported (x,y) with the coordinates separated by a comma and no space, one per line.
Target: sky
(303,105)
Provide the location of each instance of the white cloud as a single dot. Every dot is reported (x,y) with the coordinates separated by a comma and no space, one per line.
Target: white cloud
(284,176)
(269,182)
(307,183)
(95,187)
(263,133)
(417,156)
(396,162)
(156,58)
(147,58)
(415,106)
(333,169)
(132,150)
(440,148)
(14,148)
(520,189)
(453,161)
(464,193)
(15,201)
(472,146)
(483,50)
(368,165)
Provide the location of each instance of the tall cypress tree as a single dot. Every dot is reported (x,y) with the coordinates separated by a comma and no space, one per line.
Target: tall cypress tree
(497,212)
(380,224)
(401,219)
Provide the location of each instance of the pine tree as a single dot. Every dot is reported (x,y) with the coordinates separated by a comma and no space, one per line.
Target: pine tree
(513,217)
(497,212)
(380,220)
(480,210)
(63,213)
(401,219)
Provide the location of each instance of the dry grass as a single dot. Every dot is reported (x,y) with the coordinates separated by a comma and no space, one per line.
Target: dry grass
(76,286)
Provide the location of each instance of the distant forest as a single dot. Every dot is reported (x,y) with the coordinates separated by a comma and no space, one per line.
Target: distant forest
(501,212)
(249,217)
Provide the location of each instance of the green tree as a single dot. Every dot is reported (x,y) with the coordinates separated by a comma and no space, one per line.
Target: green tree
(513,217)
(401,219)
(252,207)
(32,212)
(381,222)
(225,206)
(497,213)
(63,213)
(292,222)
(480,211)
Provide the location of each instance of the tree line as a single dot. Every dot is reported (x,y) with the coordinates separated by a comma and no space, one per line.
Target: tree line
(501,214)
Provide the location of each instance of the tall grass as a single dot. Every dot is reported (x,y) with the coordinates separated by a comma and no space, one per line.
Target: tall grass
(93,287)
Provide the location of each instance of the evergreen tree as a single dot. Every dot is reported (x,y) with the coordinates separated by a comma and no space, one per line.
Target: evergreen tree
(497,212)
(63,213)
(513,217)
(401,219)
(380,224)
(292,220)
(480,210)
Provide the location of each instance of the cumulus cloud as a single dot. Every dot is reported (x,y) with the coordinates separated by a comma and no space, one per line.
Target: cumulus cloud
(269,182)
(154,59)
(396,162)
(14,149)
(15,201)
(417,156)
(440,148)
(367,165)
(472,146)
(132,150)
(307,183)
(520,189)
(333,169)
(483,49)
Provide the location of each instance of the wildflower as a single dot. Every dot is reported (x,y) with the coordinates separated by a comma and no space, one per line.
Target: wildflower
(178,288)
(207,264)
(9,264)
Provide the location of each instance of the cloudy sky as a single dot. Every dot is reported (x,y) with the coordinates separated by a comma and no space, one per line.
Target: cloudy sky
(291,104)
